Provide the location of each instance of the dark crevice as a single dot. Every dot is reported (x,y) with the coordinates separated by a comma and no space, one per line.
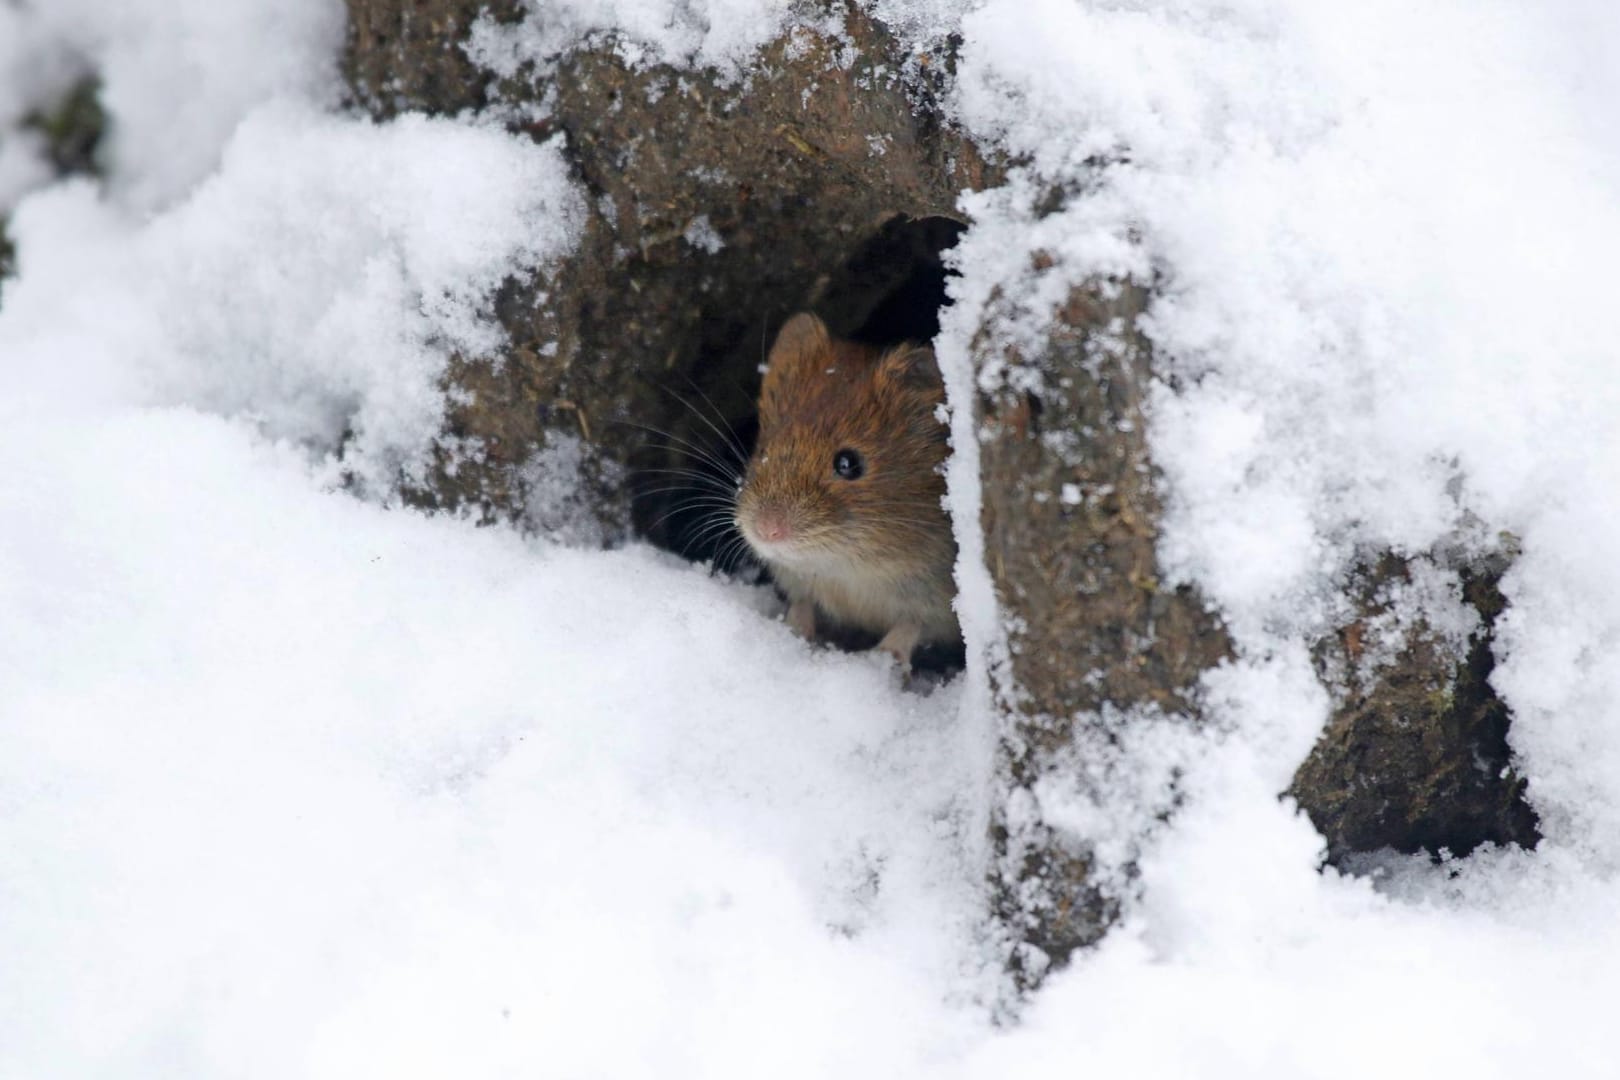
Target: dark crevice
(1416,756)
(889,290)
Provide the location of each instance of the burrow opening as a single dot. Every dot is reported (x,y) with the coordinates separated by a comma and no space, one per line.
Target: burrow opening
(890,288)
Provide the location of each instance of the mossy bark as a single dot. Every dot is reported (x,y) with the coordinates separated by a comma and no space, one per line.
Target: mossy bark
(73,128)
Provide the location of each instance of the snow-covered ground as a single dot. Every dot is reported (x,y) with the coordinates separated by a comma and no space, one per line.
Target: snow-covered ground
(298,783)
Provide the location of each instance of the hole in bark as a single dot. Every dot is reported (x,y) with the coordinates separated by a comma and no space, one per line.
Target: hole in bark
(892,287)
(1416,756)
(889,289)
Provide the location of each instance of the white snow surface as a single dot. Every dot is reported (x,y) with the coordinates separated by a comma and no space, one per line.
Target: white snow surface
(176,75)
(1387,235)
(318,283)
(295,783)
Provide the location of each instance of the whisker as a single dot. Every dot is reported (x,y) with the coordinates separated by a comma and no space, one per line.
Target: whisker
(728,483)
(728,440)
(728,435)
(743,556)
(732,477)
(711,504)
(693,448)
(729,494)
(665,516)
(715,526)
(707,504)
(711,533)
(733,553)
(718,520)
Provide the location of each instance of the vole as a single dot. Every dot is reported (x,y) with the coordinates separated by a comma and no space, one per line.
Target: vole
(842,496)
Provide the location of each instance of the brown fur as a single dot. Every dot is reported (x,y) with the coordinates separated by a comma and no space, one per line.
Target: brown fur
(875,552)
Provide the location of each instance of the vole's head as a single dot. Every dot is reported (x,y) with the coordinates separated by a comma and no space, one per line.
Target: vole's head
(847,466)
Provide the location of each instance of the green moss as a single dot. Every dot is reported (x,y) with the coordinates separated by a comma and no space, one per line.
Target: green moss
(73,129)
(1439,702)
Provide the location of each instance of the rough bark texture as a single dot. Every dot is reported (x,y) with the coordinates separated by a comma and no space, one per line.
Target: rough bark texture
(793,177)
(407,55)
(1070,519)
(1415,757)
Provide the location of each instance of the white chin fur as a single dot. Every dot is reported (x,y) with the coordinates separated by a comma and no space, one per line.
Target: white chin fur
(794,554)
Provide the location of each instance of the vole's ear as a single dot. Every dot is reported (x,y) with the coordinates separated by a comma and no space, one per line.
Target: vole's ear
(802,339)
(913,367)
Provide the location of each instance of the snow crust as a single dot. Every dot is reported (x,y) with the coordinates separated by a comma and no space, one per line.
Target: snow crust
(295,784)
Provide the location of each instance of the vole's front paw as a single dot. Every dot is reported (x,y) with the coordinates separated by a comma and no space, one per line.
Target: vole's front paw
(900,642)
(801,619)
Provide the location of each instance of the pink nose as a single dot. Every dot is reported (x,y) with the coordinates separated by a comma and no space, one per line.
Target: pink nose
(772,527)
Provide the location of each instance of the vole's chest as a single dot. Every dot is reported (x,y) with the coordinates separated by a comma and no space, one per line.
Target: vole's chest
(876,598)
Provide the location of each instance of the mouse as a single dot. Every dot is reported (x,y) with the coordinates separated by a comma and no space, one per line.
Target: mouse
(843,496)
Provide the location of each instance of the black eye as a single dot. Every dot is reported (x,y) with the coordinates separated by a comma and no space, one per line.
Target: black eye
(848,464)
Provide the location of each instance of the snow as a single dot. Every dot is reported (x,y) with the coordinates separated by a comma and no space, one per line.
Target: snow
(700,233)
(1386,308)
(177,75)
(346,785)
(716,34)
(318,283)
(1381,234)
(296,782)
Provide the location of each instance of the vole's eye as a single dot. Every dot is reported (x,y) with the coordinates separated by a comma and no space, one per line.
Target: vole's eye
(848,464)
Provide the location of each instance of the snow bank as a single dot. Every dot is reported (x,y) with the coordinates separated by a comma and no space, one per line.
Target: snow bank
(1382,235)
(295,785)
(317,284)
(1360,301)
(177,76)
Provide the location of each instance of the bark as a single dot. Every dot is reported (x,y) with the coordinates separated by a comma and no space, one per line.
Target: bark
(1415,757)
(1070,517)
(717,211)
